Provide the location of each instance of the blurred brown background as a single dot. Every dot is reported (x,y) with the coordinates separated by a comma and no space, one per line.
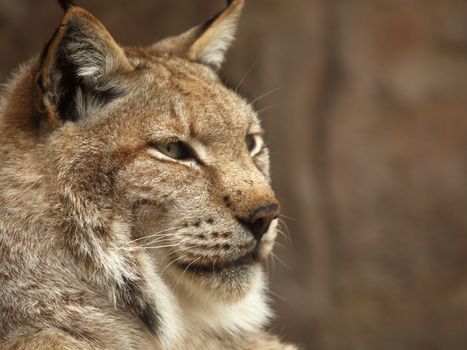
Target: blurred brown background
(367,123)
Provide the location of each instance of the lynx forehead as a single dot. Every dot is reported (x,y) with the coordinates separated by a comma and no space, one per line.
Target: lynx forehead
(135,192)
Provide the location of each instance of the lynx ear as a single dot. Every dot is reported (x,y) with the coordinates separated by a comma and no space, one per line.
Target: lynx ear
(79,68)
(208,42)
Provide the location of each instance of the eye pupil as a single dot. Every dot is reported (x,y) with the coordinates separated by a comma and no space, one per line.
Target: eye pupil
(176,150)
(251,142)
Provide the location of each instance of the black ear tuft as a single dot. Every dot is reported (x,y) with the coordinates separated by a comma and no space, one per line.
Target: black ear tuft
(208,42)
(66,4)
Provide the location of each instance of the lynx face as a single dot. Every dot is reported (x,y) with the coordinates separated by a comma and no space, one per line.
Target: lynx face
(150,141)
(197,179)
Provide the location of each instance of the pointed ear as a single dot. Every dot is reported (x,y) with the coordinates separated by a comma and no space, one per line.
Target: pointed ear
(208,42)
(79,68)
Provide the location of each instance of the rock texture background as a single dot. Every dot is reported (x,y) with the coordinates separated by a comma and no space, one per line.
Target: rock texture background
(367,122)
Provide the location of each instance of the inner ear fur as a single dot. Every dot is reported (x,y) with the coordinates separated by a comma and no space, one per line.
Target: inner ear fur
(208,42)
(79,67)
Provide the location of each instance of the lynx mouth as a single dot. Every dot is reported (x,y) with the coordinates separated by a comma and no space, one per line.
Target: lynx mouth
(205,268)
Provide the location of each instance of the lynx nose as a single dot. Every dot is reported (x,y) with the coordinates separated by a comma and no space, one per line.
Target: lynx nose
(259,221)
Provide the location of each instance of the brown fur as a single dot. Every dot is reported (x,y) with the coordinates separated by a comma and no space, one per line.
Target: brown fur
(105,241)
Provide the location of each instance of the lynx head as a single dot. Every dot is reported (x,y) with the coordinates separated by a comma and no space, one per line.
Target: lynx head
(149,149)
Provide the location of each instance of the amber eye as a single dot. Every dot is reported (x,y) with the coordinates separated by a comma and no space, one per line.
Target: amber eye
(255,144)
(251,143)
(176,150)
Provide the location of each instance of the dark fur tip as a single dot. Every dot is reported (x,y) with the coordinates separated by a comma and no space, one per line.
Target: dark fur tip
(66,4)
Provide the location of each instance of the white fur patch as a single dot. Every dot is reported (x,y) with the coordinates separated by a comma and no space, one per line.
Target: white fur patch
(202,313)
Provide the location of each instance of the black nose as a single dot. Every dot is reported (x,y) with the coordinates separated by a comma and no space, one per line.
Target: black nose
(259,221)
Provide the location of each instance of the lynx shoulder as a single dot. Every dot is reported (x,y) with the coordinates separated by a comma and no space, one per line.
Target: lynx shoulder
(136,207)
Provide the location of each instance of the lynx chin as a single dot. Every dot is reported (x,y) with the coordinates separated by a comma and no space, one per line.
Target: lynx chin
(136,207)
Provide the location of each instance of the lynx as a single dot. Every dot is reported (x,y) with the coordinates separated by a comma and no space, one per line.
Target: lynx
(136,207)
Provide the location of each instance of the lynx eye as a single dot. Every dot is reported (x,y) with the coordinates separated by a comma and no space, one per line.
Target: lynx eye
(254,144)
(250,142)
(175,150)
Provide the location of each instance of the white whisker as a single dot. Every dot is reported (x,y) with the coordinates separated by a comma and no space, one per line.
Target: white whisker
(280,297)
(157,240)
(184,271)
(286,234)
(155,234)
(265,94)
(135,248)
(245,75)
(276,243)
(262,110)
(287,217)
(279,259)
(160,247)
(170,263)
